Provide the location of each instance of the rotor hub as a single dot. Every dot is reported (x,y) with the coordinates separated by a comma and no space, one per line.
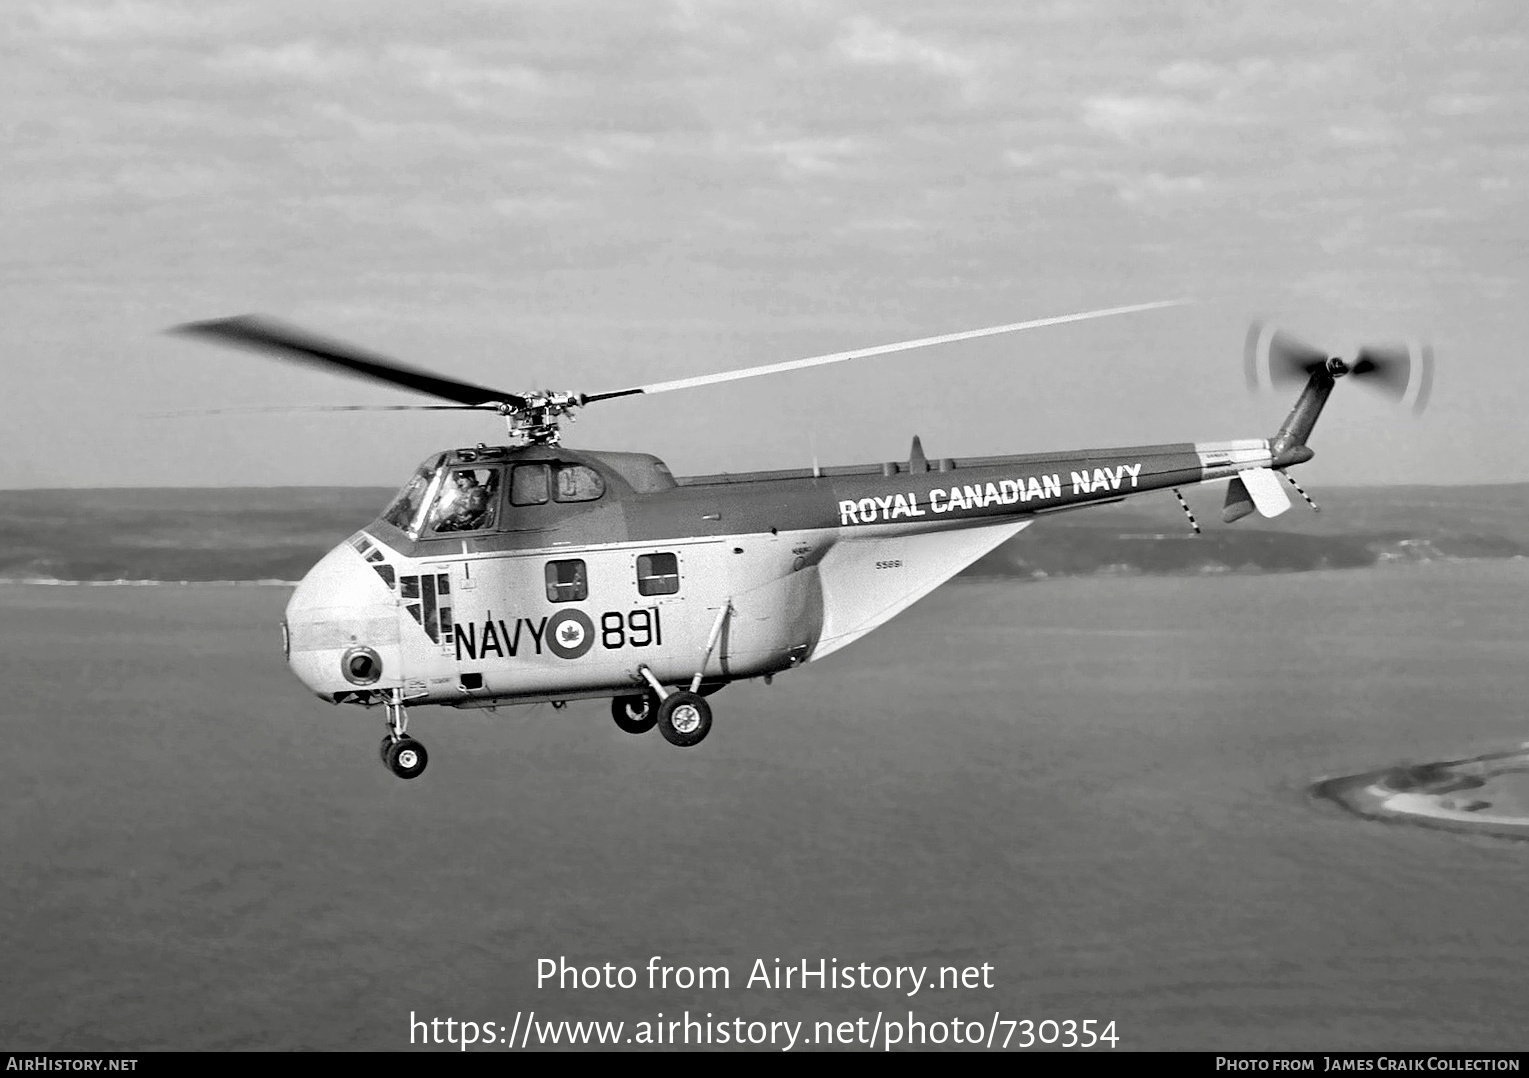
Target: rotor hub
(535,420)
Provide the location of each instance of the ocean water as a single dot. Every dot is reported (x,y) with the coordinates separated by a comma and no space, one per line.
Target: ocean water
(237,534)
(1096,786)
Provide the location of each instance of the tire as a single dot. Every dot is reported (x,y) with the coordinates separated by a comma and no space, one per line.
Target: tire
(387,743)
(684,718)
(634,714)
(407,758)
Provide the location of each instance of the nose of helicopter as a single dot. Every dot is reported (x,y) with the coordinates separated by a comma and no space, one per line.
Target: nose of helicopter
(341,628)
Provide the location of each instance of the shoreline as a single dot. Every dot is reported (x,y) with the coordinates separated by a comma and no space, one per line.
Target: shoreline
(1485,794)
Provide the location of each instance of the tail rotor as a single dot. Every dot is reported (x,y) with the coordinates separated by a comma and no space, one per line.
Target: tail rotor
(1394,370)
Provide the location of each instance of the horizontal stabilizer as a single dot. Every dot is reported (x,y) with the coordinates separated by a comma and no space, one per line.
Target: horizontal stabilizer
(1266,490)
(1254,488)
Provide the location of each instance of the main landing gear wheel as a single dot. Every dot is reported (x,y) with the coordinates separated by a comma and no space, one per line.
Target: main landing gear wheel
(407,758)
(684,718)
(635,714)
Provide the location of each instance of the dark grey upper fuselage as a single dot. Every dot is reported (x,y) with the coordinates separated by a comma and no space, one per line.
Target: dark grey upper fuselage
(643,502)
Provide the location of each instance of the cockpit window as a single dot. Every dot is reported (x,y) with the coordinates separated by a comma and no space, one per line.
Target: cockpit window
(576,483)
(528,485)
(404,510)
(536,484)
(467,502)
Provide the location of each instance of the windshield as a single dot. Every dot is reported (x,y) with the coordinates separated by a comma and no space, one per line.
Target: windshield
(404,509)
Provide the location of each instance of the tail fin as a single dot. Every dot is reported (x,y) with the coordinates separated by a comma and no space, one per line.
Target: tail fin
(1289,445)
(1259,488)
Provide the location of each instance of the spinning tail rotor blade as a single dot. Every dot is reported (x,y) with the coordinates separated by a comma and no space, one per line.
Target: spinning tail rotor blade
(298,346)
(1386,367)
(1250,354)
(1392,369)
(1292,360)
(1425,379)
(878,350)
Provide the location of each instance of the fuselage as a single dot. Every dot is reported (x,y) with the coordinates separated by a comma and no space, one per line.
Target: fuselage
(513,575)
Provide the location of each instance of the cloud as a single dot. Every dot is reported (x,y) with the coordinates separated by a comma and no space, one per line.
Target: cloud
(613,151)
(1363,134)
(306,60)
(1190,74)
(469,83)
(117,20)
(867,41)
(1130,116)
(1156,185)
(805,158)
(620,187)
(1463,104)
(1038,158)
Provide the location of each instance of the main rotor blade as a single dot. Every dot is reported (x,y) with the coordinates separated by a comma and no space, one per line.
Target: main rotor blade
(282,409)
(298,346)
(879,350)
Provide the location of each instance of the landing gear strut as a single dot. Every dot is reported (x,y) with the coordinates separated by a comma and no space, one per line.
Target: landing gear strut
(401,754)
(684,718)
(682,715)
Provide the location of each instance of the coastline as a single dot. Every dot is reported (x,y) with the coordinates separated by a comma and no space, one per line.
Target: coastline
(1486,794)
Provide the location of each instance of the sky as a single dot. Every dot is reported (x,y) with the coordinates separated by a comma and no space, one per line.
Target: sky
(593,195)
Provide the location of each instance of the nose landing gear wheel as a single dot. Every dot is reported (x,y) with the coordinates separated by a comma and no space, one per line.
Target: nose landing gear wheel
(407,758)
(635,714)
(684,718)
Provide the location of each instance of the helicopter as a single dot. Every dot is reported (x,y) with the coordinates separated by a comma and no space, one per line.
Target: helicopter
(533,572)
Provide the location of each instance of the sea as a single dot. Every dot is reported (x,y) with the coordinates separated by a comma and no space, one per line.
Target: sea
(1075,784)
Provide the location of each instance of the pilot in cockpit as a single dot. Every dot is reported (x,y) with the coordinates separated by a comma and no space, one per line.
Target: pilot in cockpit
(463,506)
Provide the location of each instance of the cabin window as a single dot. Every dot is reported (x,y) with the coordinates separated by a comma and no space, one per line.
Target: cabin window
(528,485)
(467,502)
(658,574)
(576,483)
(566,582)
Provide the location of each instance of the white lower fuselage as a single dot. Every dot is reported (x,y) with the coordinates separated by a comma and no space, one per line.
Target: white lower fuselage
(491,635)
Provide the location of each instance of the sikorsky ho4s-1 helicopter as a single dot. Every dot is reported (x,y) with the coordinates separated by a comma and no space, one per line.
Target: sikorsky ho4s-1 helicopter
(533,572)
